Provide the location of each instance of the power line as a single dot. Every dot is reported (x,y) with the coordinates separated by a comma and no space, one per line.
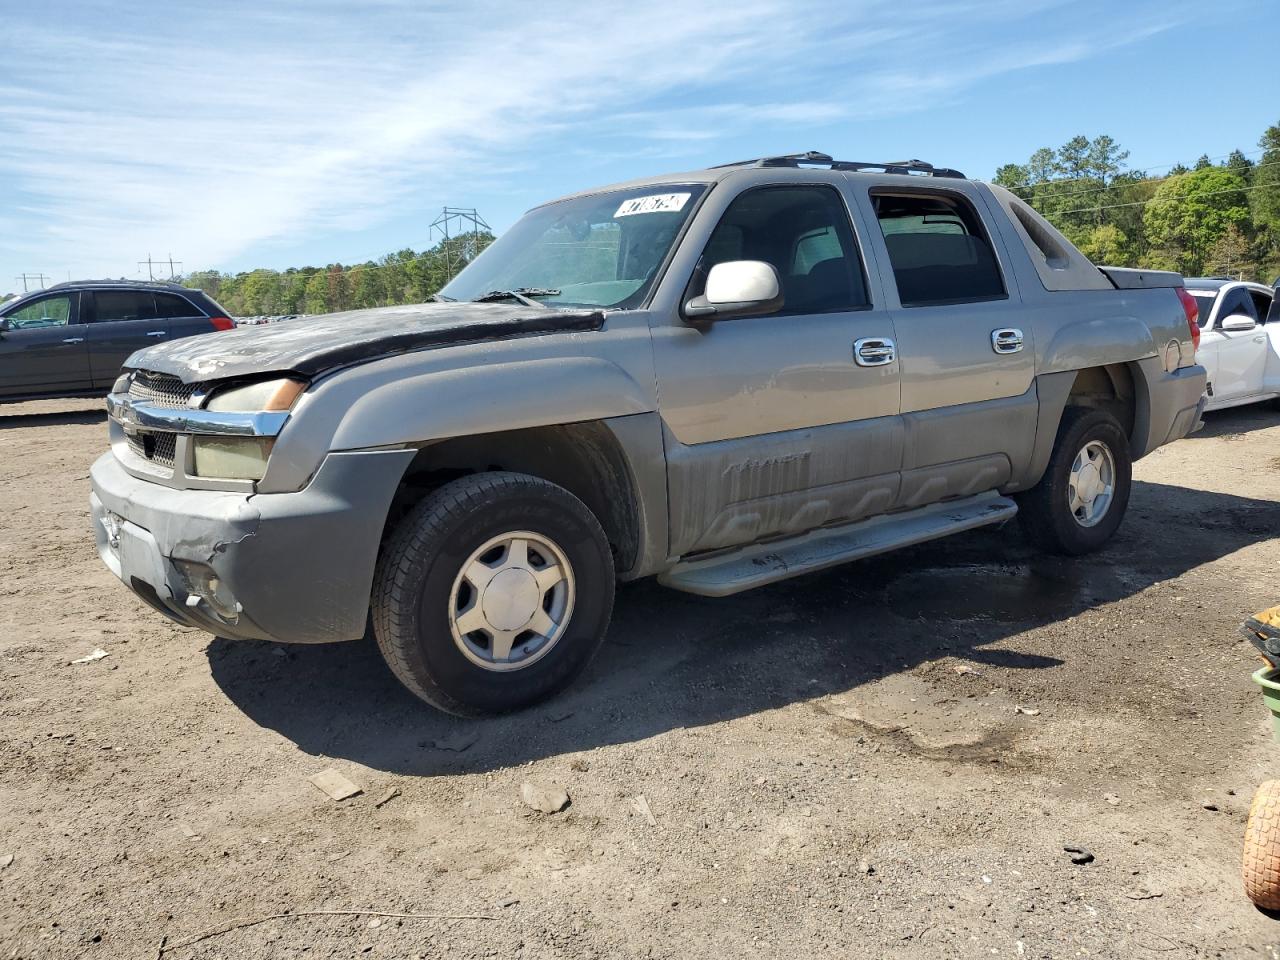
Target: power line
(1143,203)
(1121,184)
(1162,166)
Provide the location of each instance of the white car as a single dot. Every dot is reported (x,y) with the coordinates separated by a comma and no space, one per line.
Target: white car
(1239,340)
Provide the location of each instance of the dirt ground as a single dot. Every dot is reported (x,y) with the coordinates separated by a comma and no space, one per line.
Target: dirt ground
(824,780)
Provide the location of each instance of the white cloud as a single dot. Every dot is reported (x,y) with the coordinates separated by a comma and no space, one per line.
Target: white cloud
(124,131)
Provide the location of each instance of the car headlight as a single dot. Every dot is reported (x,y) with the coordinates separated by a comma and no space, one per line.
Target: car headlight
(265,396)
(232,458)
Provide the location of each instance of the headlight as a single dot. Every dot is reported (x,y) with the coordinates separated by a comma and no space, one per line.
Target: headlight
(232,458)
(122,383)
(266,396)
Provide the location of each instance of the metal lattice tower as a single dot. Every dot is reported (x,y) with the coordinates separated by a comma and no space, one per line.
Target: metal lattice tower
(459,229)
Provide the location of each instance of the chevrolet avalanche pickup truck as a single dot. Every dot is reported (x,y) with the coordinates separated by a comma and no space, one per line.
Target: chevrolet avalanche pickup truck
(722,378)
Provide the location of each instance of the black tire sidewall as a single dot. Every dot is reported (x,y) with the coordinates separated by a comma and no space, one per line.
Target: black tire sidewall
(431,651)
(1087,426)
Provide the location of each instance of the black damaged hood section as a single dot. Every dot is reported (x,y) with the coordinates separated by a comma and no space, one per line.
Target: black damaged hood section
(312,345)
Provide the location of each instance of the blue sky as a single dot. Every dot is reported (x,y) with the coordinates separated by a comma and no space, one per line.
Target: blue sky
(291,132)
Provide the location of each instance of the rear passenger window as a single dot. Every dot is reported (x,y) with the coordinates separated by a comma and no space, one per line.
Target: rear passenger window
(123,305)
(804,232)
(171,305)
(938,249)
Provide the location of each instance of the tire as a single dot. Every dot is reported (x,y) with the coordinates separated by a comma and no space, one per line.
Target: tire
(420,619)
(1262,847)
(1045,510)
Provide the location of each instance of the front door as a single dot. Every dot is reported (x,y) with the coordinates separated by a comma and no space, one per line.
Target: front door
(122,321)
(772,427)
(44,350)
(1242,354)
(968,370)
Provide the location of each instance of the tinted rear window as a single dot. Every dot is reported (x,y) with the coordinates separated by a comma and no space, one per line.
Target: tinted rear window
(123,305)
(170,305)
(938,248)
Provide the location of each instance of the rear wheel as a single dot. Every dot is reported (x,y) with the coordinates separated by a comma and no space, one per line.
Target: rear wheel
(1081,499)
(494,593)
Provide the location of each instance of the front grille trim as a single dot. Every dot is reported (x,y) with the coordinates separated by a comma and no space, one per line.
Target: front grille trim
(157,448)
(162,390)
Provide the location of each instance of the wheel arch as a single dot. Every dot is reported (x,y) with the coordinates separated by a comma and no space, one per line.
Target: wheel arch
(594,460)
(1118,388)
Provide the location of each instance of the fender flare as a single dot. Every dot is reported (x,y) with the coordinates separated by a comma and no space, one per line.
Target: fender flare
(487,399)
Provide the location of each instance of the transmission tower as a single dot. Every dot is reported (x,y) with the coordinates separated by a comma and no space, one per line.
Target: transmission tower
(459,229)
(30,277)
(151,266)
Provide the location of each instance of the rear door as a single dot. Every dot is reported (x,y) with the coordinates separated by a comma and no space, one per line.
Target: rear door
(1242,354)
(969,403)
(181,316)
(122,321)
(44,349)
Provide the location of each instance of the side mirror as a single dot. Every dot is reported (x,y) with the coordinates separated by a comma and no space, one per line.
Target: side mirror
(738,288)
(1238,323)
(4,325)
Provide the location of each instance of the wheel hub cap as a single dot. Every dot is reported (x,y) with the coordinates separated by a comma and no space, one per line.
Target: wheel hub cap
(511,601)
(1091,484)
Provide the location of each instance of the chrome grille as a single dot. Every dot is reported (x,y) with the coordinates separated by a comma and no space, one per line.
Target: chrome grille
(157,448)
(161,389)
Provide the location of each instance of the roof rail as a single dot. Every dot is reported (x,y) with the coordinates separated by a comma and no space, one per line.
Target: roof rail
(168,284)
(814,158)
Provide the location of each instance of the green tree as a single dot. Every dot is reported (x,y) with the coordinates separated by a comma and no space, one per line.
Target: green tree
(1190,213)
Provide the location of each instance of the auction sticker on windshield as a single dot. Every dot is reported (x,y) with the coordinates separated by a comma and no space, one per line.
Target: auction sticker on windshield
(656,203)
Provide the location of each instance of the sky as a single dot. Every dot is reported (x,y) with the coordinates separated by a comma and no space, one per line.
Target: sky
(305,132)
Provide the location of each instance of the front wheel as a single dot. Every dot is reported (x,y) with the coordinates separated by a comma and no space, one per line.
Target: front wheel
(1081,499)
(493,593)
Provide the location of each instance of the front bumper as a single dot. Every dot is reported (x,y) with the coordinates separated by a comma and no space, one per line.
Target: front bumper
(292,567)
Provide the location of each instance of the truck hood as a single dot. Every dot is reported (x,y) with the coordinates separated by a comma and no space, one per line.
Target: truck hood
(312,345)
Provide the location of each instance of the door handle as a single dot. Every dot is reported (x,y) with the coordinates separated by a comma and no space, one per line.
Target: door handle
(158,333)
(1261,339)
(874,352)
(74,340)
(1006,340)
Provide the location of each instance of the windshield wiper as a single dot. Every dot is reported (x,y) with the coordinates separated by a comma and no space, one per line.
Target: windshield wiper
(440,298)
(524,295)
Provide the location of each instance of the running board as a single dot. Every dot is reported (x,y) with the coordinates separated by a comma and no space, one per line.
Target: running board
(762,563)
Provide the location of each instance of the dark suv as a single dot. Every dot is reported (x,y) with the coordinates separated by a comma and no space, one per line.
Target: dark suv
(71,339)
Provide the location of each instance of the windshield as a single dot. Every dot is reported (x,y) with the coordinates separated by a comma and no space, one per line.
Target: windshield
(598,251)
(1204,300)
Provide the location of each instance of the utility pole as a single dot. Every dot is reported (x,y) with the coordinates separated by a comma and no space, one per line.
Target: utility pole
(32,276)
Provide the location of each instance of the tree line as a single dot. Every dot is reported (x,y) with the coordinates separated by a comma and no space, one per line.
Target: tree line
(1220,219)
(1209,218)
(406,276)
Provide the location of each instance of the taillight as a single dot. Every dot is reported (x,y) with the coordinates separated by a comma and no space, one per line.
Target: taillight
(222,323)
(1193,315)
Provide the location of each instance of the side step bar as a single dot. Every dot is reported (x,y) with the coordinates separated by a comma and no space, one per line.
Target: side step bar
(761,563)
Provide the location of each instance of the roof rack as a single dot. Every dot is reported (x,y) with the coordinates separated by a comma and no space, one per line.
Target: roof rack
(168,284)
(814,158)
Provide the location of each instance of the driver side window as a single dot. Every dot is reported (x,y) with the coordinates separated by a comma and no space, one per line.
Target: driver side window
(1237,301)
(804,232)
(45,312)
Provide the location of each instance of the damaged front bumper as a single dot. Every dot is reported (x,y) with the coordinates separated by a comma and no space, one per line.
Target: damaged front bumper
(291,567)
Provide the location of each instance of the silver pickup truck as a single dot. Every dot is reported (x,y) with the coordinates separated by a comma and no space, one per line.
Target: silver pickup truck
(722,378)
